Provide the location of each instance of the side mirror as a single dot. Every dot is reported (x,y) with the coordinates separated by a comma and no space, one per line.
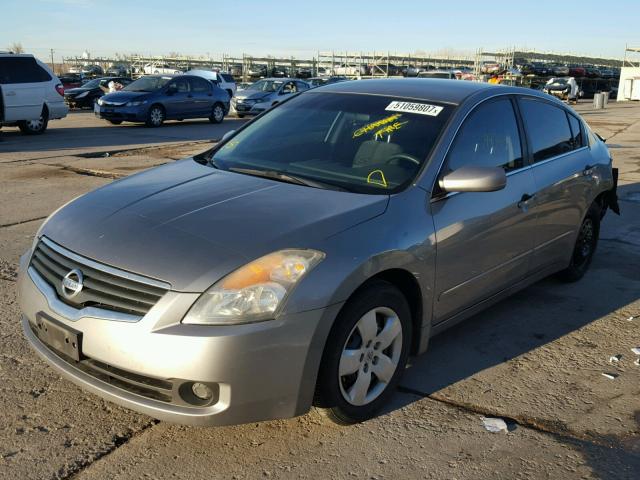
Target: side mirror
(227,135)
(474,179)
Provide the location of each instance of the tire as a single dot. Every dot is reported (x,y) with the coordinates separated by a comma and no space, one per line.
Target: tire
(115,122)
(35,127)
(155,117)
(585,246)
(375,324)
(217,113)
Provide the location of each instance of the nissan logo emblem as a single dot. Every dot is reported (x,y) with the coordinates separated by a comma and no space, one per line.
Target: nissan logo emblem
(72,283)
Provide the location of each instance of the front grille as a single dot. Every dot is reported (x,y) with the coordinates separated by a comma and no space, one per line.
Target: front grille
(103,287)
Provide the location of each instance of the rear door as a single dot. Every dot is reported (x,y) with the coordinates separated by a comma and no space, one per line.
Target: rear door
(23,88)
(484,240)
(563,177)
(202,93)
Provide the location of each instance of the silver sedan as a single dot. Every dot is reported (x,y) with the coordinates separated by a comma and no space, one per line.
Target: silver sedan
(306,256)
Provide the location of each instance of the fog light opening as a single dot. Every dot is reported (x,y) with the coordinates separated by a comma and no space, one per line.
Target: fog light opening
(199,394)
(202,391)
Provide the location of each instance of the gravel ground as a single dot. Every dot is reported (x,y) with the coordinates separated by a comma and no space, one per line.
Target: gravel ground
(535,360)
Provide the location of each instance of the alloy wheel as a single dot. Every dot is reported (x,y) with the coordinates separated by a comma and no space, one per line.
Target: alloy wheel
(156,116)
(218,113)
(370,356)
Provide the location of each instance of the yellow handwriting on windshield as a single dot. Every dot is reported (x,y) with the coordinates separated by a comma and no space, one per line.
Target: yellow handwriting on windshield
(373,125)
(388,129)
(377,177)
(231,144)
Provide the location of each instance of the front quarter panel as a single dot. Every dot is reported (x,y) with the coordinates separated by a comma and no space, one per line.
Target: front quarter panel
(401,238)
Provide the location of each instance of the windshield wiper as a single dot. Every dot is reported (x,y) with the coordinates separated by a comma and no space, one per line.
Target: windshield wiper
(286,177)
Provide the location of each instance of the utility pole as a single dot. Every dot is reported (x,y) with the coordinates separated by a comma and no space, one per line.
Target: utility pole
(53,66)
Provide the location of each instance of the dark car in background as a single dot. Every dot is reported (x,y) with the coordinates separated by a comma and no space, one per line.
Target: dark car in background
(155,98)
(319,81)
(577,71)
(535,68)
(87,94)
(71,80)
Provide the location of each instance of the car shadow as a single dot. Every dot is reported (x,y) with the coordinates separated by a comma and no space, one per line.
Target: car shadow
(535,317)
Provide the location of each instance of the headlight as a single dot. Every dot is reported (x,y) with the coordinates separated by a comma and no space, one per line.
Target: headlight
(99,101)
(254,292)
(82,95)
(136,103)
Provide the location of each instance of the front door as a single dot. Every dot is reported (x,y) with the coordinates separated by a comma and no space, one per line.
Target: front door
(179,103)
(484,240)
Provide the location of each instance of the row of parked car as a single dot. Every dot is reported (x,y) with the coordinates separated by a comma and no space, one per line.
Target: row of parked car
(573,70)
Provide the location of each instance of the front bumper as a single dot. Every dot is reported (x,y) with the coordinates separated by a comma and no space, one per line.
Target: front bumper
(244,109)
(121,113)
(261,371)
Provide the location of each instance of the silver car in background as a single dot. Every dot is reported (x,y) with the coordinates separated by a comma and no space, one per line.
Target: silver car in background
(302,259)
(264,94)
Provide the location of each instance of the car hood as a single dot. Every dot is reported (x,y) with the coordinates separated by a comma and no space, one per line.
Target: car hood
(78,91)
(124,96)
(189,224)
(251,95)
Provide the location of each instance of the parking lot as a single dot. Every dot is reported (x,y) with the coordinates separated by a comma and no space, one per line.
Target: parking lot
(535,360)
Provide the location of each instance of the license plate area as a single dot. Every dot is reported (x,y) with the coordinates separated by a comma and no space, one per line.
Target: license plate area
(59,337)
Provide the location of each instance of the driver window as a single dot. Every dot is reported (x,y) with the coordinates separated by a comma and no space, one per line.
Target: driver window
(489,137)
(181,85)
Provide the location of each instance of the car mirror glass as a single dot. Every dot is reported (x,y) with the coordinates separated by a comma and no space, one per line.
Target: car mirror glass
(474,179)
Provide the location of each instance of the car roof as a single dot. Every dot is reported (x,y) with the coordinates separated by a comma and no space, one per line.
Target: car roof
(442,90)
(453,92)
(10,54)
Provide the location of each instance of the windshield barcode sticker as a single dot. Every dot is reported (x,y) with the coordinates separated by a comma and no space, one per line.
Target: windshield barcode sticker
(420,108)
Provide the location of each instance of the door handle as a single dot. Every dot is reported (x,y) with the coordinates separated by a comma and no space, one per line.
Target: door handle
(11,94)
(523,204)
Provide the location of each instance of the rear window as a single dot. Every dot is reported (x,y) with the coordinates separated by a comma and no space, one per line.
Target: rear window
(227,77)
(21,70)
(548,129)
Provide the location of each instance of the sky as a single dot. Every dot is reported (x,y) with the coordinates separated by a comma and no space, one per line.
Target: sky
(302,28)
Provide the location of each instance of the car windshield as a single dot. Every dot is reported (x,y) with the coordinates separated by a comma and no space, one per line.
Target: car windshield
(559,81)
(92,83)
(147,84)
(361,143)
(266,85)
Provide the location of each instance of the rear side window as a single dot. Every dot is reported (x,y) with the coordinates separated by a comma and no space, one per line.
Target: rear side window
(21,70)
(227,77)
(576,131)
(548,129)
(488,138)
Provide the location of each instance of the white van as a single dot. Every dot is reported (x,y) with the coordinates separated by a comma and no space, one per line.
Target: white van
(30,93)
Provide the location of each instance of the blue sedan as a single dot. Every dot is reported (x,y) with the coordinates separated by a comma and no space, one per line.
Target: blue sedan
(156,98)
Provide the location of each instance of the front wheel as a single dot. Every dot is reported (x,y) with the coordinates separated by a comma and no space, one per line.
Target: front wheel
(365,354)
(585,246)
(34,127)
(155,117)
(217,114)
